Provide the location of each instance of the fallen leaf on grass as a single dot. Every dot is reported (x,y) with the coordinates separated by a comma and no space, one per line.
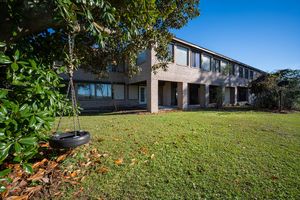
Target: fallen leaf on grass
(37,176)
(133,162)
(152,156)
(38,164)
(51,166)
(119,161)
(32,190)
(23,197)
(103,170)
(45,145)
(61,158)
(70,181)
(144,150)
(73,174)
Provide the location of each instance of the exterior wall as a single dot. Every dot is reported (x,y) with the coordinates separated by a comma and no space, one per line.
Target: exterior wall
(182,75)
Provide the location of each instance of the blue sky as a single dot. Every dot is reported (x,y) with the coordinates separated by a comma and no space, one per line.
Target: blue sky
(262,33)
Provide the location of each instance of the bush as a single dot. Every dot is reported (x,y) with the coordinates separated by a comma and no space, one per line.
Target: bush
(29,102)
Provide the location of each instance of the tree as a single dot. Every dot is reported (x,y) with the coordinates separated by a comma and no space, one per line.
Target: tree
(277,90)
(107,31)
(36,33)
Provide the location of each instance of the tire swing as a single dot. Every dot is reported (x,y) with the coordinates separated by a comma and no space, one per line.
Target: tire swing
(77,137)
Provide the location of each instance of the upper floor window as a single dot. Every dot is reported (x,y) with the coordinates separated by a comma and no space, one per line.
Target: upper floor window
(225,67)
(182,56)
(246,73)
(195,59)
(251,74)
(232,69)
(205,62)
(241,72)
(171,52)
(141,57)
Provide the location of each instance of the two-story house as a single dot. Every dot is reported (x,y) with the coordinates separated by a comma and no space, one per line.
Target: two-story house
(195,78)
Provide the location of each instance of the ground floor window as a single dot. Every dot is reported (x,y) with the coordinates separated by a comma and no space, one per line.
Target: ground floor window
(242,94)
(93,90)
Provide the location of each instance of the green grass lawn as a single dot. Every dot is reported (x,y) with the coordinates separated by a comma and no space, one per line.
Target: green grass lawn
(191,155)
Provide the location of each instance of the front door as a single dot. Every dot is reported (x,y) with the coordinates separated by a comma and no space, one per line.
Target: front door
(142,95)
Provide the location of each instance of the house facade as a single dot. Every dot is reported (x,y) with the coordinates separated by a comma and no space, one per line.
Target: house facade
(197,77)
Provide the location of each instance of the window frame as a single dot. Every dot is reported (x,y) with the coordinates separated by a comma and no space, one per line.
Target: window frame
(187,55)
(246,75)
(193,59)
(241,75)
(210,58)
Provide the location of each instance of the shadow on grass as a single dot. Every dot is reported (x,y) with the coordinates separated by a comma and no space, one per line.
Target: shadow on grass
(224,110)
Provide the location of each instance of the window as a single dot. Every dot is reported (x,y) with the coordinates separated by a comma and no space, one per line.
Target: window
(103,90)
(171,51)
(214,67)
(224,67)
(251,75)
(217,65)
(92,91)
(195,59)
(232,69)
(182,56)
(141,57)
(119,91)
(241,72)
(246,73)
(205,62)
(133,92)
(85,90)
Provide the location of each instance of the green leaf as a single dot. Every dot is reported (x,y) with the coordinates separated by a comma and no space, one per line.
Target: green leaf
(28,141)
(4,149)
(3,93)
(4,59)
(14,66)
(5,172)
(2,134)
(17,55)
(2,44)
(27,168)
(2,188)
(18,147)
(32,121)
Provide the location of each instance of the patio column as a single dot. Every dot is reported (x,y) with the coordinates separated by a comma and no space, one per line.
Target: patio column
(152,95)
(182,89)
(223,94)
(206,95)
(235,95)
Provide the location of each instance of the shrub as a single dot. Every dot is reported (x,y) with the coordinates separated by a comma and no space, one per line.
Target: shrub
(29,102)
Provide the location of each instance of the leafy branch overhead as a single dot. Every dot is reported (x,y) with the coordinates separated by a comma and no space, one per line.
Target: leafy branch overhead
(106,31)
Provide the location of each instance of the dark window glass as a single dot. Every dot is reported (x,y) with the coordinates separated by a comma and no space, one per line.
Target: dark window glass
(171,52)
(205,62)
(246,73)
(195,59)
(103,90)
(251,74)
(85,90)
(241,72)
(232,71)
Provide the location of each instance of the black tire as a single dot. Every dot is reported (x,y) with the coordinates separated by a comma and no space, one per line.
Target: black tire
(69,139)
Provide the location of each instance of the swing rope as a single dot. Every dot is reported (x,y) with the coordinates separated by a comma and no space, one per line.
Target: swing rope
(71,88)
